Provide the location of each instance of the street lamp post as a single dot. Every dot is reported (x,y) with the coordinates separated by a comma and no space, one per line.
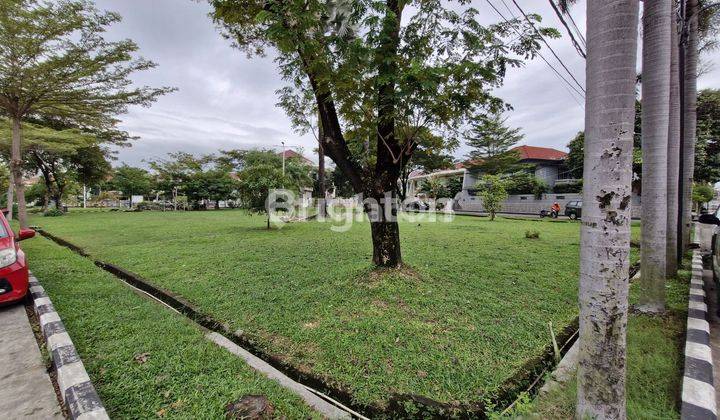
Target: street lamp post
(283,157)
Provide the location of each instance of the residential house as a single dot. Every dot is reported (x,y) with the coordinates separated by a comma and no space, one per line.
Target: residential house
(547,163)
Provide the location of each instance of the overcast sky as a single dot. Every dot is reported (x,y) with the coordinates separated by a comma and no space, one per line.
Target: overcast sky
(225,100)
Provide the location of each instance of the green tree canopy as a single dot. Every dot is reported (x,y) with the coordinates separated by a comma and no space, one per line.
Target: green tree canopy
(702,193)
(131,181)
(433,153)
(61,156)
(707,148)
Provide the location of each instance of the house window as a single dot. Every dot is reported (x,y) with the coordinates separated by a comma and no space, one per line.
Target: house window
(559,197)
(523,198)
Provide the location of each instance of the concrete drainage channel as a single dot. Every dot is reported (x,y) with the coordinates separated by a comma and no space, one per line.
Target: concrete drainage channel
(330,401)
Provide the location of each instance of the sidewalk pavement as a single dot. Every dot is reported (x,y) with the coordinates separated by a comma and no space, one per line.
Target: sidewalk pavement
(26,391)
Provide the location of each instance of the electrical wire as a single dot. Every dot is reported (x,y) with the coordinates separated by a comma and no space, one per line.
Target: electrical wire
(567,85)
(578,32)
(577,46)
(548,45)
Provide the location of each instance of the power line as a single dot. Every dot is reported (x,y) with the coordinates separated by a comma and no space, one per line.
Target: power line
(567,83)
(577,46)
(577,30)
(548,45)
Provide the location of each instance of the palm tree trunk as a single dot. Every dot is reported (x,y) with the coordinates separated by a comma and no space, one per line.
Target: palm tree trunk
(673,155)
(16,168)
(605,232)
(655,126)
(690,115)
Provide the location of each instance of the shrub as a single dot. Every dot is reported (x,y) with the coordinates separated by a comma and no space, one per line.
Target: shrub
(568,188)
(532,234)
(526,183)
(53,213)
(148,205)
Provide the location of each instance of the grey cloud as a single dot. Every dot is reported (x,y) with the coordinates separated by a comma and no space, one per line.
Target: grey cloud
(226,100)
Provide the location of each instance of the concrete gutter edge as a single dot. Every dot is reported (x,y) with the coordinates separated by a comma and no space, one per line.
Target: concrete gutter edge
(78,392)
(323,407)
(698,389)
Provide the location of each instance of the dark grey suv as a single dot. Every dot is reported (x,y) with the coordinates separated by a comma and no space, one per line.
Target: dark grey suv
(573,209)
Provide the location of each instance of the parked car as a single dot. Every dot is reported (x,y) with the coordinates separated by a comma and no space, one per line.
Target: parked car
(713,219)
(573,209)
(14,279)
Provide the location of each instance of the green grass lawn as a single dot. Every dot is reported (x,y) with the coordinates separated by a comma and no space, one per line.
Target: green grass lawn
(472,308)
(655,362)
(184,375)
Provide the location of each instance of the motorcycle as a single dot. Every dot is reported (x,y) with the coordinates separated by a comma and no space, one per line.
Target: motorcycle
(553,214)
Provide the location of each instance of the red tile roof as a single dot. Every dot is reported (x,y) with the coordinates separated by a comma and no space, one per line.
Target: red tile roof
(293,154)
(540,153)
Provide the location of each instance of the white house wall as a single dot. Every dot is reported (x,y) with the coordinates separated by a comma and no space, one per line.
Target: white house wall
(528,204)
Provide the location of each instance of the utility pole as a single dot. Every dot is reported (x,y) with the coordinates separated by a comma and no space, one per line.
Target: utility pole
(10,197)
(321,171)
(283,157)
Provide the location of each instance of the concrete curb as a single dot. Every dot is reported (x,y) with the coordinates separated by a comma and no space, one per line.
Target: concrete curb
(698,390)
(78,393)
(328,410)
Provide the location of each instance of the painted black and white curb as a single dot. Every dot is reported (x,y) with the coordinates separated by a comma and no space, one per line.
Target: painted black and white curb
(78,393)
(698,390)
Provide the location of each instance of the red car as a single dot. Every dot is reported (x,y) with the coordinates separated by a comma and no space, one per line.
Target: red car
(13,266)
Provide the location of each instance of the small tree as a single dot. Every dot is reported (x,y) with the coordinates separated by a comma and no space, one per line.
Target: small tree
(454,186)
(214,185)
(435,188)
(131,181)
(701,194)
(492,192)
(255,184)
(576,156)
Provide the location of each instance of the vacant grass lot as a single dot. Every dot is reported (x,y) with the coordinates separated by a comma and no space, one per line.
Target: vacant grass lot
(145,360)
(471,310)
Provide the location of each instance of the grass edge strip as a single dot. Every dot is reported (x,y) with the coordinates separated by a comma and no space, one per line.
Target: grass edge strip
(76,389)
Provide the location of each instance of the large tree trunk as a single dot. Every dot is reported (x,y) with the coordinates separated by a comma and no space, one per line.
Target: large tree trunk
(605,232)
(385,232)
(673,155)
(57,198)
(46,201)
(655,126)
(16,168)
(690,116)
(385,236)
